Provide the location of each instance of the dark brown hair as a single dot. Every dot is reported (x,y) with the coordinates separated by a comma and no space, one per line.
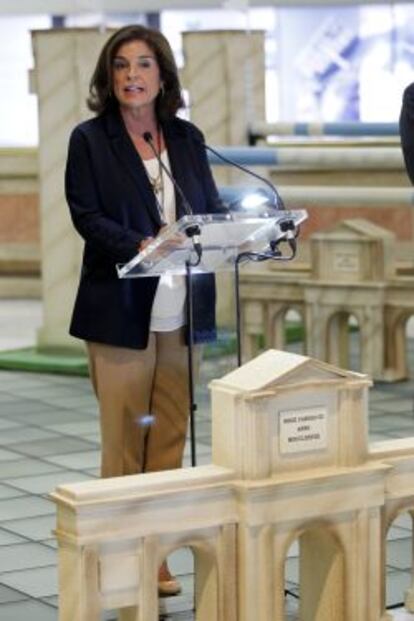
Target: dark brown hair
(167,103)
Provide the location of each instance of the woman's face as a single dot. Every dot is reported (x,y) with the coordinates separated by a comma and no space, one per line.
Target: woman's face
(135,76)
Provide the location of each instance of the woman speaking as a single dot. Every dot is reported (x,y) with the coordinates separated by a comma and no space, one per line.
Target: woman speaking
(120,198)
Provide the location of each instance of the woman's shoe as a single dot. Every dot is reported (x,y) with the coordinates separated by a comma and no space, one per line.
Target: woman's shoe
(168,585)
(169,588)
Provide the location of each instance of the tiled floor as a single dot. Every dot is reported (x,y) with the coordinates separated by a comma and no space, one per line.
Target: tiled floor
(49,435)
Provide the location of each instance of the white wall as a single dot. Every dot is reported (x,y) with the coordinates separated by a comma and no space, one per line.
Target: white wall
(18,109)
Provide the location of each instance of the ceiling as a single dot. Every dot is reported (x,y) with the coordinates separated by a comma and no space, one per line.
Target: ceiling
(65,7)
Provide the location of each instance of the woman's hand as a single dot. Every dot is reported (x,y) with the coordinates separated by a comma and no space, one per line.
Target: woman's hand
(171,244)
(167,246)
(145,242)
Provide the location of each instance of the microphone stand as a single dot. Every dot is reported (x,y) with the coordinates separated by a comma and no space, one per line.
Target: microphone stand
(279,204)
(273,253)
(193,232)
(289,232)
(190,345)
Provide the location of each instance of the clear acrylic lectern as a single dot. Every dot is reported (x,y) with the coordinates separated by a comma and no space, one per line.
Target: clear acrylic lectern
(211,243)
(222,237)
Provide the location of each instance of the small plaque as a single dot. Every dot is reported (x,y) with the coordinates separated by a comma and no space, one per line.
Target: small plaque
(303,430)
(346,262)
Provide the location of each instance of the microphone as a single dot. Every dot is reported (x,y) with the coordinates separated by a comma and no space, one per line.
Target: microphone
(193,230)
(288,230)
(278,199)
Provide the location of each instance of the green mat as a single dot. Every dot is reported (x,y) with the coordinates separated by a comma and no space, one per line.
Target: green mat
(66,362)
(39,361)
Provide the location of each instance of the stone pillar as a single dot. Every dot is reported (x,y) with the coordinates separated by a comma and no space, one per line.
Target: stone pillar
(372,339)
(316,324)
(224,73)
(215,576)
(395,344)
(64,62)
(78,582)
(253,322)
(321,577)
(338,340)
(255,557)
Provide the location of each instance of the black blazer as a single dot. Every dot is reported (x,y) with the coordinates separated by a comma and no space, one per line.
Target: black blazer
(407,130)
(113,208)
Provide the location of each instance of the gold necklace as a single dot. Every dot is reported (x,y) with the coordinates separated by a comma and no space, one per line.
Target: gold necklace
(157,182)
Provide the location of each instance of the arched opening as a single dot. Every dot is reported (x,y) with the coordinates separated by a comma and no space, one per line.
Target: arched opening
(344,343)
(399,344)
(314,577)
(292,582)
(399,364)
(194,566)
(294,336)
(181,565)
(399,592)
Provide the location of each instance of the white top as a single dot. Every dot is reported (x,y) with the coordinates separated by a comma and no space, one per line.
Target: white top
(168,309)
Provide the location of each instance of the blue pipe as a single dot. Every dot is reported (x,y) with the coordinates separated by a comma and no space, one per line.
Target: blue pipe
(247,156)
(348,129)
(344,128)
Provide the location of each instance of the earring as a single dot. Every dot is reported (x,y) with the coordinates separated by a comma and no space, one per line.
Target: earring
(162,90)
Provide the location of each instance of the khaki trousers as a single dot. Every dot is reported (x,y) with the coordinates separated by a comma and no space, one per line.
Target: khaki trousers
(143,399)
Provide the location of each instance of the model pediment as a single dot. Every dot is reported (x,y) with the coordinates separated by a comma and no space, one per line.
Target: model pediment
(357,229)
(275,367)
